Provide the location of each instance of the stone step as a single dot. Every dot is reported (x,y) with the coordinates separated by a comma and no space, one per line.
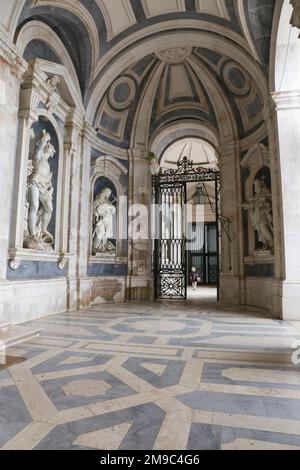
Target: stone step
(15,335)
(4,326)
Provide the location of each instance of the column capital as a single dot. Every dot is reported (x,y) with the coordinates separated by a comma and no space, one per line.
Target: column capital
(138,154)
(12,56)
(285,100)
(88,132)
(269,108)
(228,148)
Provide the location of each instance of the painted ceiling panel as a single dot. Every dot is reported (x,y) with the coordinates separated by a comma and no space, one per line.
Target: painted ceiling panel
(118,16)
(159,7)
(99,34)
(213,7)
(179,83)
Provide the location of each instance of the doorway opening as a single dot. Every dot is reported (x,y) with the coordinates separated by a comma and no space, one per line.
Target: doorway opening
(187,243)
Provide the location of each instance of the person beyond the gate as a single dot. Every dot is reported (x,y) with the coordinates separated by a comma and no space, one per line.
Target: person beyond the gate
(194,277)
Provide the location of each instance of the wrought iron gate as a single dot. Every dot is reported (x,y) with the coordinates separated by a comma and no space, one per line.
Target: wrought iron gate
(170,245)
(169,257)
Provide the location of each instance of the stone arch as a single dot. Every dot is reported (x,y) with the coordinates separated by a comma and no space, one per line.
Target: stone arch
(169,134)
(37,30)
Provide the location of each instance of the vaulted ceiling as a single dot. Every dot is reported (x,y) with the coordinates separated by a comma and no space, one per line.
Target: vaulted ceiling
(97,34)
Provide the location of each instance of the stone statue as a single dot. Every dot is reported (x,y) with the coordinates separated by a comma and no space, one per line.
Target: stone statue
(103,223)
(260,210)
(295,19)
(154,165)
(39,196)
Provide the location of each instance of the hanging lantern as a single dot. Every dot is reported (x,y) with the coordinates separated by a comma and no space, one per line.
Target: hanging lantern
(200,195)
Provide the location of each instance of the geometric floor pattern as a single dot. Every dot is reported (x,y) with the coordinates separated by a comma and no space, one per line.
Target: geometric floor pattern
(153,376)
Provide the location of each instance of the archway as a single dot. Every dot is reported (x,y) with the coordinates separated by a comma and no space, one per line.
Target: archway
(284,127)
(186,262)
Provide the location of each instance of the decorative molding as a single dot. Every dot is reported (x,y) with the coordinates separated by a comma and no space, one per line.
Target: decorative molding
(101,258)
(40,86)
(269,109)
(14,263)
(63,260)
(287,100)
(16,255)
(12,55)
(259,259)
(246,30)
(174,55)
(214,8)
(105,148)
(112,20)
(256,157)
(159,8)
(88,132)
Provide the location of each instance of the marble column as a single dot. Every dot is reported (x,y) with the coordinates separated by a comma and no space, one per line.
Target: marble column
(270,116)
(84,290)
(72,162)
(232,265)
(288,262)
(139,283)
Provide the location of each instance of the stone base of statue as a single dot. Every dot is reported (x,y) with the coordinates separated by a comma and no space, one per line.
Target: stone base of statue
(262,253)
(38,244)
(108,249)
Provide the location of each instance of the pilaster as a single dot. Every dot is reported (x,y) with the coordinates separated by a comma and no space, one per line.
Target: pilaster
(139,280)
(12,68)
(232,267)
(286,114)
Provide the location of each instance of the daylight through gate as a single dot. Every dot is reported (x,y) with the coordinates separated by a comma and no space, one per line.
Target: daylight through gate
(171,242)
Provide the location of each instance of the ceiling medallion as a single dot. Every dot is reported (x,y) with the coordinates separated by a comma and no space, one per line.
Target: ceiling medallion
(174,55)
(236,78)
(122,93)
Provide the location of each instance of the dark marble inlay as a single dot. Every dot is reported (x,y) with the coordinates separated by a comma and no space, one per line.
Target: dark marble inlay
(170,376)
(54,364)
(53,388)
(36,270)
(146,423)
(204,437)
(13,413)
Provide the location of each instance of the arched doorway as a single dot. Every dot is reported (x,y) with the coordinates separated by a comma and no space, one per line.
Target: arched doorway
(186,220)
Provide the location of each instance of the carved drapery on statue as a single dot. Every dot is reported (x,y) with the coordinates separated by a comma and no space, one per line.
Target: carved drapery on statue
(261,216)
(104,213)
(295,19)
(39,196)
(257,204)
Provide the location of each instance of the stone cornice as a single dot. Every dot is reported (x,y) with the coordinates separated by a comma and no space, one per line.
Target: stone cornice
(229,148)
(138,154)
(12,55)
(287,100)
(108,149)
(88,132)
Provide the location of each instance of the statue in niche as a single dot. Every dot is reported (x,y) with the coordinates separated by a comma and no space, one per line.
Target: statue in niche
(39,196)
(103,223)
(261,216)
(154,164)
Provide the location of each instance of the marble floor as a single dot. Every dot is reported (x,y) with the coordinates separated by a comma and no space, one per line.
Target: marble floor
(178,375)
